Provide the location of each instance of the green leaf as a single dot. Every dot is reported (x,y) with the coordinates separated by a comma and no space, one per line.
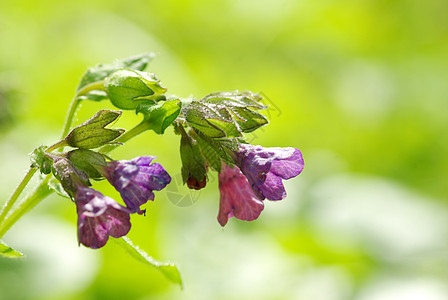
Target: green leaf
(40,160)
(213,120)
(242,106)
(56,186)
(213,152)
(169,270)
(92,133)
(248,120)
(87,161)
(226,114)
(160,115)
(235,99)
(129,88)
(101,71)
(9,252)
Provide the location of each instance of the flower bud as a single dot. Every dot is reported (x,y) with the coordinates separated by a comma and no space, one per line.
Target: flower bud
(195,184)
(128,88)
(193,165)
(69,176)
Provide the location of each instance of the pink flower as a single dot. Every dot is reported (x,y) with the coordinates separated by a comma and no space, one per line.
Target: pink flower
(236,196)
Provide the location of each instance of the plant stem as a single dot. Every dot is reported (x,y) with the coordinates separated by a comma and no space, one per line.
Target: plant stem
(39,193)
(56,146)
(42,190)
(143,126)
(98,85)
(16,194)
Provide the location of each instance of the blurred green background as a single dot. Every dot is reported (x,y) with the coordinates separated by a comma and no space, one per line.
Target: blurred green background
(360,87)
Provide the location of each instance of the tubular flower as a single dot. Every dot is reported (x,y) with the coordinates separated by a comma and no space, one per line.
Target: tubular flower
(266,167)
(236,196)
(136,180)
(99,217)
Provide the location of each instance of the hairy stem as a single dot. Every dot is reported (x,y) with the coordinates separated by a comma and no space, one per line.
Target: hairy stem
(56,146)
(42,190)
(16,194)
(98,85)
(143,126)
(39,193)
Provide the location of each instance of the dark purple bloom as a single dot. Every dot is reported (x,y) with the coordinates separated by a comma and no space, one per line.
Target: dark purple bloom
(99,217)
(266,167)
(236,196)
(136,179)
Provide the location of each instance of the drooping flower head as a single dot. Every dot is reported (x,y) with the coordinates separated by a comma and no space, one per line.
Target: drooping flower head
(236,196)
(266,167)
(99,217)
(257,176)
(136,179)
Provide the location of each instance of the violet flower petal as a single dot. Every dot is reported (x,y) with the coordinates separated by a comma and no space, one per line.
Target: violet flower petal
(290,166)
(99,217)
(265,168)
(273,188)
(136,180)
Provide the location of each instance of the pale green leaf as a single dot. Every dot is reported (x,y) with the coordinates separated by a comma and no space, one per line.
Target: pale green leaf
(9,252)
(169,270)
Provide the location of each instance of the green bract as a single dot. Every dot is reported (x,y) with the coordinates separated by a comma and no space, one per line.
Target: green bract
(160,115)
(226,114)
(92,133)
(86,160)
(40,161)
(213,151)
(129,88)
(68,174)
(192,162)
(101,71)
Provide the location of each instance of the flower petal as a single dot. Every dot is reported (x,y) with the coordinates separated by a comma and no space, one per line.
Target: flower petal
(288,167)
(136,180)
(236,197)
(273,188)
(98,217)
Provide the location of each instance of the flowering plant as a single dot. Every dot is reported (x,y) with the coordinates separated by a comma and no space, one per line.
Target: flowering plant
(212,138)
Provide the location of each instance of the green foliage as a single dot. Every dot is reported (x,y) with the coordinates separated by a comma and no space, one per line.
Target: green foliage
(92,133)
(169,270)
(160,115)
(40,160)
(226,114)
(87,161)
(101,71)
(193,163)
(129,88)
(9,252)
(214,151)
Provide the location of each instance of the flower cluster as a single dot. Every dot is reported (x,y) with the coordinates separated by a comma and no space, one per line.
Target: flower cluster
(100,216)
(258,175)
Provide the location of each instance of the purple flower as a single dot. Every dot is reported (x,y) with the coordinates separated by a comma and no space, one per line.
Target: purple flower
(266,167)
(136,180)
(99,217)
(237,197)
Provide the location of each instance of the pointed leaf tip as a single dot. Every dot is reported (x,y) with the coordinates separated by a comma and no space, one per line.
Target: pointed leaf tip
(169,270)
(9,252)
